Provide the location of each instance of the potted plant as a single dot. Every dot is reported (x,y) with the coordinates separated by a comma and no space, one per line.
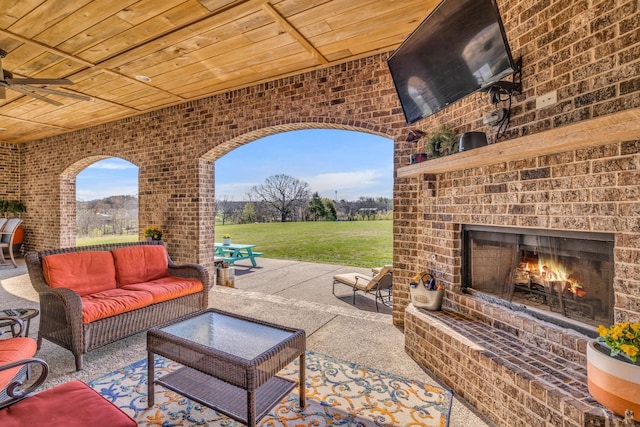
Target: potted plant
(153,232)
(613,368)
(13,207)
(441,142)
(226,239)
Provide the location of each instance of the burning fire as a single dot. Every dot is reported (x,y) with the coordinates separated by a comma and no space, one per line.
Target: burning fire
(549,271)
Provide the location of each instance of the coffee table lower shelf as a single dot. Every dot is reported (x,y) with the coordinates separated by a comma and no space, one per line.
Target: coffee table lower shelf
(224,397)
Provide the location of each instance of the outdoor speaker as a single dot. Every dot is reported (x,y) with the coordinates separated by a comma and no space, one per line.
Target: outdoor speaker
(470,140)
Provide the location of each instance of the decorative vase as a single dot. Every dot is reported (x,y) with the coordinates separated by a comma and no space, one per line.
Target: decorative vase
(614,383)
(226,242)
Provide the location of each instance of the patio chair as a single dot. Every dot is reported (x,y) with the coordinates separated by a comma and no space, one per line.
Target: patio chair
(6,239)
(380,284)
(13,348)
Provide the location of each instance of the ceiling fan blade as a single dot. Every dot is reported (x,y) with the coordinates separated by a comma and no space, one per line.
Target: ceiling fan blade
(55,92)
(35,95)
(28,81)
(3,92)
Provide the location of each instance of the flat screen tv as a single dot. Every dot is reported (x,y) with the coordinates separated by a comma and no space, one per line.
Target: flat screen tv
(460,48)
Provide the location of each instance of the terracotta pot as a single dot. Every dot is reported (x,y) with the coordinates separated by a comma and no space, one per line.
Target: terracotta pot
(612,382)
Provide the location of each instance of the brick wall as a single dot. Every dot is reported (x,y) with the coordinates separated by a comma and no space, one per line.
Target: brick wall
(9,172)
(175,150)
(586,50)
(589,51)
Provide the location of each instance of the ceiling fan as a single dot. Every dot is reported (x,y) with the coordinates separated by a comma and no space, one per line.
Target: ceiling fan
(23,85)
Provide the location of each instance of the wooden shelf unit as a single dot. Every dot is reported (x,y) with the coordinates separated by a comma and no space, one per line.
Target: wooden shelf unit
(621,126)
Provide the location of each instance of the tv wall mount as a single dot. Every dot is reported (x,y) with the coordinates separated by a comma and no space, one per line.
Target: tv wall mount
(501,88)
(504,91)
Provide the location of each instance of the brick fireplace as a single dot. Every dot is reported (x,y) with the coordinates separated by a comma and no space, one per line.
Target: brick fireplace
(537,191)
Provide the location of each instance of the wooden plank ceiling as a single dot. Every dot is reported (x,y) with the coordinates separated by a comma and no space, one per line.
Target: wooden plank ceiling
(188,48)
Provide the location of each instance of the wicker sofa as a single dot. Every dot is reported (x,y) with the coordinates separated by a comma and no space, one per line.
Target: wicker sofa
(94,295)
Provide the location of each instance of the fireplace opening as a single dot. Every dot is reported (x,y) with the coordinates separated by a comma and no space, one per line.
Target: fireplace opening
(568,275)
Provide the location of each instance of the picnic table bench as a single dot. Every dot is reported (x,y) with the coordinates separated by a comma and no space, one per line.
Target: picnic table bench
(236,252)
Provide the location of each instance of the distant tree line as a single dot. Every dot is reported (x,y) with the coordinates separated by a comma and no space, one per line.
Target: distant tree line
(113,215)
(283,198)
(280,198)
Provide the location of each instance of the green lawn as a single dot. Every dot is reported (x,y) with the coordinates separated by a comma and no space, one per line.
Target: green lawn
(353,243)
(86,241)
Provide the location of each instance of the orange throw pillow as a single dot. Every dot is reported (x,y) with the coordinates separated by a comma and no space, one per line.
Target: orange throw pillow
(138,264)
(84,272)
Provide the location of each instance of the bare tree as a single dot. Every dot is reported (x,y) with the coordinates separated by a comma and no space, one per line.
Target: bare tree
(283,193)
(225,208)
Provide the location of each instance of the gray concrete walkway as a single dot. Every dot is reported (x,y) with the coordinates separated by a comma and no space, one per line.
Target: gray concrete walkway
(291,293)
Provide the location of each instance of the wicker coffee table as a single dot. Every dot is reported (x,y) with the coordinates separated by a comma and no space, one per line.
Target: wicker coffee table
(229,362)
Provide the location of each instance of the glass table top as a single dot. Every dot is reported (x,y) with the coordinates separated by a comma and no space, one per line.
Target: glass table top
(238,337)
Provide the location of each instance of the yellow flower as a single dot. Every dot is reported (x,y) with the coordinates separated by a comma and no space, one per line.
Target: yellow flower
(630,350)
(152,231)
(623,337)
(603,330)
(616,333)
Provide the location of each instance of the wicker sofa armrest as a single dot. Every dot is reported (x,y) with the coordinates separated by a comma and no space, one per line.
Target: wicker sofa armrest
(13,321)
(17,390)
(190,271)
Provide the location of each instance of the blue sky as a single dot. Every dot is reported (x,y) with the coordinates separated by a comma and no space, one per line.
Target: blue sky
(353,164)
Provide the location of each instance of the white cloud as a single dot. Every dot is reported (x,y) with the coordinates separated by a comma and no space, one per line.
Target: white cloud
(235,191)
(112,165)
(350,185)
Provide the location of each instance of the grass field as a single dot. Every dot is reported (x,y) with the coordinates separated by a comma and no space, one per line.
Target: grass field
(86,241)
(353,243)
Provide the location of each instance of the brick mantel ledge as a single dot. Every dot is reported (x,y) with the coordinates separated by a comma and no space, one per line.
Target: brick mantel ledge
(616,127)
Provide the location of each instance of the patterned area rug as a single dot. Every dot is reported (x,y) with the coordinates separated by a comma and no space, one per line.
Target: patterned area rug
(339,393)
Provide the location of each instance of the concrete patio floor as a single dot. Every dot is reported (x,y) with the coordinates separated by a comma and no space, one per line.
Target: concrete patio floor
(291,293)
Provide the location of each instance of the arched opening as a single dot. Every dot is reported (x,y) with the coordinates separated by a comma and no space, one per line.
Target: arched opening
(337,164)
(107,202)
(350,171)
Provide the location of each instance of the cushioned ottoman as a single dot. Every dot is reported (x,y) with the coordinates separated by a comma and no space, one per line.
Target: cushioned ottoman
(72,404)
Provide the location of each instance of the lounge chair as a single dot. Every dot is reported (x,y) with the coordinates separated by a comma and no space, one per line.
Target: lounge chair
(376,270)
(380,284)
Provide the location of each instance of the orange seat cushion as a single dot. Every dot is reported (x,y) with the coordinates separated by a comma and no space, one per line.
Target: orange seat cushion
(84,272)
(138,264)
(168,288)
(111,302)
(72,404)
(12,350)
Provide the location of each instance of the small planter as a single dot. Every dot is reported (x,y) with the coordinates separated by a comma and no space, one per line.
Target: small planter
(226,242)
(612,382)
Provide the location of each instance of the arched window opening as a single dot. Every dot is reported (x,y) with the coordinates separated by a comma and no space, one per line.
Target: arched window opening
(107,202)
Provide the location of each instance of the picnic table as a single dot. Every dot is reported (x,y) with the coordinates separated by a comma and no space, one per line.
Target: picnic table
(236,252)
